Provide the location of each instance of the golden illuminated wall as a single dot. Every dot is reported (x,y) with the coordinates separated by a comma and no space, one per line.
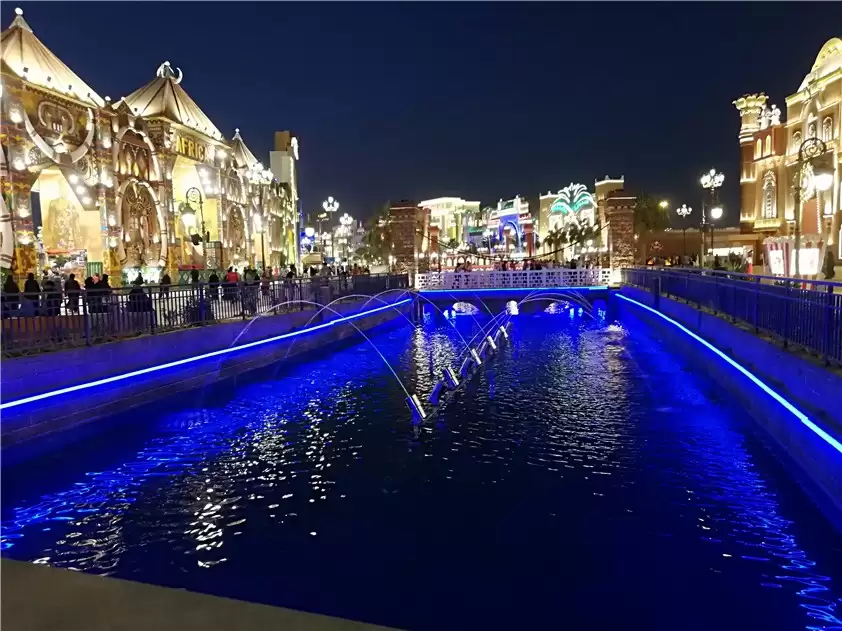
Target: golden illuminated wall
(66,226)
(184,177)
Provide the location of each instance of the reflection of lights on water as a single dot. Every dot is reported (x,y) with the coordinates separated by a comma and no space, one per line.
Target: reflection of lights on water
(512,308)
(557,307)
(465,308)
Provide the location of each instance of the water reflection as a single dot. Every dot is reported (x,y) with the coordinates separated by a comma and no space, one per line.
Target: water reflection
(583,463)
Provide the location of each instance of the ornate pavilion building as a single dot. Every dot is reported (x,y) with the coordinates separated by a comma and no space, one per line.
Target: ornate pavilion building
(145,184)
(769,154)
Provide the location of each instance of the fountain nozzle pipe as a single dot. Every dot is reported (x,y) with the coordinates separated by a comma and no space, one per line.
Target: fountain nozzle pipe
(415,406)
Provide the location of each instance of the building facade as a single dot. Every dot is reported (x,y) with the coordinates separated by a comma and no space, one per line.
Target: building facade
(770,147)
(453,217)
(409,229)
(146,184)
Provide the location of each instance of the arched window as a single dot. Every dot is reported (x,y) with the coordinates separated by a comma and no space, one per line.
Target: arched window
(796,142)
(768,151)
(758,149)
(770,206)
(827,129)
(811,130)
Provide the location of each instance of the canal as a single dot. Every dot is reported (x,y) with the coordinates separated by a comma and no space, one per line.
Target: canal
(585,479)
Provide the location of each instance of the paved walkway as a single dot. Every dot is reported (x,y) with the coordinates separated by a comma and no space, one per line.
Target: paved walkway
(41,598)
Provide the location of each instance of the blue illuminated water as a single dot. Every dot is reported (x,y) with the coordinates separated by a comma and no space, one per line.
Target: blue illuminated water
(585,480)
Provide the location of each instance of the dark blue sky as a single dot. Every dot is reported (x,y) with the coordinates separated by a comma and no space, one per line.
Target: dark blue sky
(482,100)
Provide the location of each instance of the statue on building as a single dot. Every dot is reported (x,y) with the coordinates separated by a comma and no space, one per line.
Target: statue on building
(61,229)
(141,228)
(775,115)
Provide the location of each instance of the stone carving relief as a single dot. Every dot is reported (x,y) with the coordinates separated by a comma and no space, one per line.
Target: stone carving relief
(141,232)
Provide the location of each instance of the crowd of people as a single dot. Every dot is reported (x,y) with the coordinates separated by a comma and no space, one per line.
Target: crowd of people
(47,297)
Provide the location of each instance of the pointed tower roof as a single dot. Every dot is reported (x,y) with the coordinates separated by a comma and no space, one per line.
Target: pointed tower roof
(25,55)
(243,157)
(163,97)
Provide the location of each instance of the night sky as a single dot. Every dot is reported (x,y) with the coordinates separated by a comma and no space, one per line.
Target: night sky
(479,100)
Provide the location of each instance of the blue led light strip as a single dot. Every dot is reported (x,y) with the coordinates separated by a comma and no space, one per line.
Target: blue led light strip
(189,360)
(512,289)
(830,440)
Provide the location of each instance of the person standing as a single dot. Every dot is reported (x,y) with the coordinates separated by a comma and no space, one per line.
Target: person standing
(72,291)
(32,291)
(11,297)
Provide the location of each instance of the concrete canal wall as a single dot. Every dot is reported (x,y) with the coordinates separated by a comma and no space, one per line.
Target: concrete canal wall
(33,376)
(805,420)
(42,598)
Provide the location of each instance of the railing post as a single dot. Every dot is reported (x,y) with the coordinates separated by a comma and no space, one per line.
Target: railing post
(201,304)
(756,300)
(786,314)
(87,318)
(828,325)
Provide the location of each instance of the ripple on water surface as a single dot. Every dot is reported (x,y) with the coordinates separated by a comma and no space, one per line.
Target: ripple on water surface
(585,480)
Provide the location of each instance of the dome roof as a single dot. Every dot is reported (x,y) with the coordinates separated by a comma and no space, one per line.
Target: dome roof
(163,97)
(828,61)
(26,56)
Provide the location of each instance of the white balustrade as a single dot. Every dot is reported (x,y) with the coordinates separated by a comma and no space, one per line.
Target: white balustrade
(529,279)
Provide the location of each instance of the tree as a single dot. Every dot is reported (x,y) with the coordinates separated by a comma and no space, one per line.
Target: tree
(649,217)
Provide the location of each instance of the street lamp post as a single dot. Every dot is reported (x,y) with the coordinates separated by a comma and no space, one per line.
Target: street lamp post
(711,180)
(260,177)
(811,152)
(684,211)
(345,221)
(715,215)
(194,196)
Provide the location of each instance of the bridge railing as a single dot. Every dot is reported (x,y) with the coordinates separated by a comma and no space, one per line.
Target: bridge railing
(53,319)
(529,279)
(806,314)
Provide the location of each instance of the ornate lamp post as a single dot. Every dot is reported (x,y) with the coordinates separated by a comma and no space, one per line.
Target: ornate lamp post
(346,221)
(711,180)
(684,211)
(260,177)
(812,153)
(715,215)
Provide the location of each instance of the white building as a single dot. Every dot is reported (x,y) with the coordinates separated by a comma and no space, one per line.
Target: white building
(452,216)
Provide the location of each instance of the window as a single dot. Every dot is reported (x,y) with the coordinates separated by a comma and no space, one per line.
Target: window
(758,149)
(768,151)
(827,129)
(811,130)
(770,207)
(796,142)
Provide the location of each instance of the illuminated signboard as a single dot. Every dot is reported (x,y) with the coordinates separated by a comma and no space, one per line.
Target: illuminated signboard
(191,148)
(776,262)
(808,261)
(572,200)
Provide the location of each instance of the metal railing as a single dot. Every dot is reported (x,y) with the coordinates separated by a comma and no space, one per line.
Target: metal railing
(54,319)
(806,314)
(514,279)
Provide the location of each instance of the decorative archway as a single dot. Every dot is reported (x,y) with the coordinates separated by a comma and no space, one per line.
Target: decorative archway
(143,225)
(237,233)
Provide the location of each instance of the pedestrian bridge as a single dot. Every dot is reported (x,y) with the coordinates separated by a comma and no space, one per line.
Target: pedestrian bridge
(528,279)
(533,290)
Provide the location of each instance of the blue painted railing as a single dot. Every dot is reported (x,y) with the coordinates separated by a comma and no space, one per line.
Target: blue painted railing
(805,314)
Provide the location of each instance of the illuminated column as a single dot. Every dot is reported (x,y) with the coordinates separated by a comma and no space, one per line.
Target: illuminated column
(750,107)
(620,237)
(529,237)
